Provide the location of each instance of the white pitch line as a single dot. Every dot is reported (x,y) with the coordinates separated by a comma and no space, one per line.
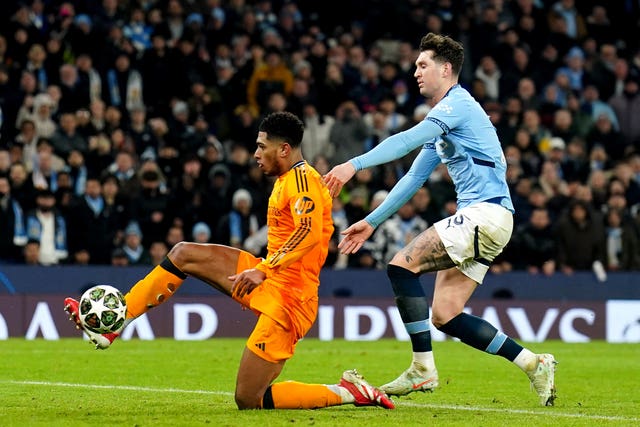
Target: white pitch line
(550,412)
(119,387)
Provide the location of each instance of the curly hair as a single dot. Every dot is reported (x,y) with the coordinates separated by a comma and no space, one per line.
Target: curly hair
(445,49)
(285,126)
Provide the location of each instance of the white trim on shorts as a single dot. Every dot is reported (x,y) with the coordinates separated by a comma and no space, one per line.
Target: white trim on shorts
(474,236)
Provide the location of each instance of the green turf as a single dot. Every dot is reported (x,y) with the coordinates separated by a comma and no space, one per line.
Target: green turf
(166,382)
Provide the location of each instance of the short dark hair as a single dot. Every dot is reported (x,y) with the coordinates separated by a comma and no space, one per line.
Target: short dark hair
(445,49)
(283,125)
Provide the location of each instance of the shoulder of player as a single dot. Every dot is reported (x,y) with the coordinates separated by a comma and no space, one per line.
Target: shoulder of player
(302,178)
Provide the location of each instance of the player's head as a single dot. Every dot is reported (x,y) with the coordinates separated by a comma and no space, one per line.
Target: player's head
(283,126)
(278,143)
(444,49)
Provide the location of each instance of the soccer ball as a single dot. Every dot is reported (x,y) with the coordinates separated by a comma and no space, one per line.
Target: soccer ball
(103,309)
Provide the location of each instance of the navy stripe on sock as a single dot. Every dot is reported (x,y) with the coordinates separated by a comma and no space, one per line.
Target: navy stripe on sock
(171,268)
(267,400)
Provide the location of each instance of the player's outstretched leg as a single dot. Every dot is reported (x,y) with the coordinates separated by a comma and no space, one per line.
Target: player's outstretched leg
(416,378)
(542,378)
(102,341)
(364,393)
(413,307)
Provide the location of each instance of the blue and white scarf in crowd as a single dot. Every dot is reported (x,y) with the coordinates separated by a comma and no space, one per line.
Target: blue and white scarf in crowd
(134,89)
(34,232)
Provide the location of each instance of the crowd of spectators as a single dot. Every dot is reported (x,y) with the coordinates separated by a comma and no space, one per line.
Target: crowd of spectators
(128,126)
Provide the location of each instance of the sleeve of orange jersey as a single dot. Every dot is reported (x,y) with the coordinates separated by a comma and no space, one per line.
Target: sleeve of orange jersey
(306,210)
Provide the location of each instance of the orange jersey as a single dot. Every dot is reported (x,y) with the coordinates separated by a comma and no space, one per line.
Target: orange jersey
(300,226)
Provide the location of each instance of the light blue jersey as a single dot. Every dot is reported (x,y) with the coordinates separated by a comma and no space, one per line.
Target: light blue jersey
(456,132)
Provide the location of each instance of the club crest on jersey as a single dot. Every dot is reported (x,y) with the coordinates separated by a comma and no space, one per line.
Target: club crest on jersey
(304,205)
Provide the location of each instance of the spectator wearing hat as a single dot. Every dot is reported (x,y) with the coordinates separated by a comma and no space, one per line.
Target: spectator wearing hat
(201,232)
(47,226)
(194,29)
(239,224)
(136,253)
(82,35)
(574,69)
(218,29)
(39,109)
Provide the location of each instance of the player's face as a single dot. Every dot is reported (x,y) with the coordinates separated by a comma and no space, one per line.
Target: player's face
(267,155)
(428,74)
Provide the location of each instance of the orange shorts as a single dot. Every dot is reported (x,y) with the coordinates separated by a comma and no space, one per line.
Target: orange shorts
(283,318)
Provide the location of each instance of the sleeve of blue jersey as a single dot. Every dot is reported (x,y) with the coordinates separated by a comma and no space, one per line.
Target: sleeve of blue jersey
(398,145)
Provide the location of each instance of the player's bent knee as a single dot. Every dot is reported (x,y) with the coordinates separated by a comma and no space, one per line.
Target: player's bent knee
(440,318)
(244,401)
(179,253)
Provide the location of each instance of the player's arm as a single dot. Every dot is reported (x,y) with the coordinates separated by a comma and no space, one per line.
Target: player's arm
(405,188)
(397,145)
(392,148)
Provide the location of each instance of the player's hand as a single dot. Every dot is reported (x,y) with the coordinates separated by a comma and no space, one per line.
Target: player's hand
(246,281)
(354,237)
(338,176)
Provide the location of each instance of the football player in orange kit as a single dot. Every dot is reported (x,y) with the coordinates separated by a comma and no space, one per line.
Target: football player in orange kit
(281,289)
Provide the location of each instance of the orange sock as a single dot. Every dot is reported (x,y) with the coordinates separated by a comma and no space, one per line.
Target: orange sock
(154,289)
(295,395)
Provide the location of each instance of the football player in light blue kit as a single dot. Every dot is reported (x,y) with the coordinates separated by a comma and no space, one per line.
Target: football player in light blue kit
(458,133)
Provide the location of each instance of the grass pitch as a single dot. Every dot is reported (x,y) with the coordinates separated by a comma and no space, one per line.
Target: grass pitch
(190,383)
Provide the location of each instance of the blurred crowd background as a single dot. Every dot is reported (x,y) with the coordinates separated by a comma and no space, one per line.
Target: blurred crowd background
(128,126)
